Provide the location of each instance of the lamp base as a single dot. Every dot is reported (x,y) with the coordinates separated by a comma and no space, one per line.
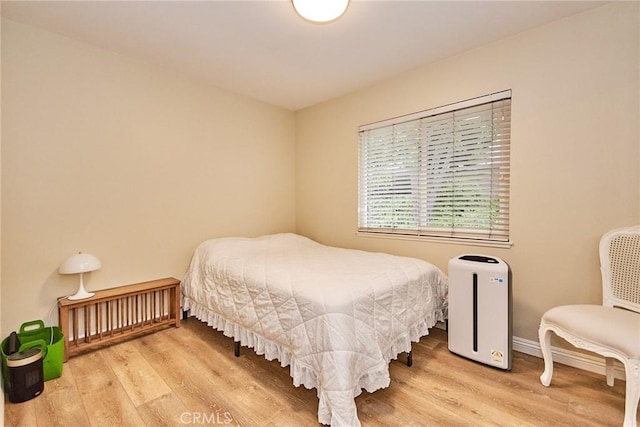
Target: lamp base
(82,294)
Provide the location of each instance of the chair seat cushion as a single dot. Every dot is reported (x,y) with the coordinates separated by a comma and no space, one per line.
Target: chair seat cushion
(602,326)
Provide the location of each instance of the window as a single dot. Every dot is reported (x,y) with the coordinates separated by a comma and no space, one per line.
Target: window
(440,173)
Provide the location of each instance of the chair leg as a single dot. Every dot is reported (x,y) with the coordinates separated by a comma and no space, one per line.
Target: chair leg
(544,335)
(608,368)
(632,392)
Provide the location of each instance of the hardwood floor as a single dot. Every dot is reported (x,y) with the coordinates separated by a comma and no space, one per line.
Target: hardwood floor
(189,376)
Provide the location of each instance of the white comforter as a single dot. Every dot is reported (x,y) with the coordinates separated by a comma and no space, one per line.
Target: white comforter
(336,316)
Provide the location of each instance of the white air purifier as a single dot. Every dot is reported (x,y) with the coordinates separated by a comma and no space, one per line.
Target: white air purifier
(479,324)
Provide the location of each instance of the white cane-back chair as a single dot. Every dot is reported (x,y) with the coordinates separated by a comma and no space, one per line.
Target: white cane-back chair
(611,329)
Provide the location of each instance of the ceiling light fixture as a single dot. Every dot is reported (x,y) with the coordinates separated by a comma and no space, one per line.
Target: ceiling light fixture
(320,10)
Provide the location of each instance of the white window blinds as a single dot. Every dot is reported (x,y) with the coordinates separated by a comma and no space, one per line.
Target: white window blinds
(442,173)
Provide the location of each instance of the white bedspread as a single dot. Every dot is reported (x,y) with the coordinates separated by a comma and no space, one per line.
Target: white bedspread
(336,316)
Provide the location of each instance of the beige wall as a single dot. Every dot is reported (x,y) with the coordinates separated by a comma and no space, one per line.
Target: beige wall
(575,150)
(114,157)
(2,400)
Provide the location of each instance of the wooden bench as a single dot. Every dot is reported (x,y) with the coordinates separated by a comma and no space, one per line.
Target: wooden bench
(118,313)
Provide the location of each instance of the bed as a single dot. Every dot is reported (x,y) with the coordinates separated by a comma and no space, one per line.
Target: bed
(335,316)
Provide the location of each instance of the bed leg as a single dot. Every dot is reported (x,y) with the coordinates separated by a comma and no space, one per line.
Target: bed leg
(236,348)
(409,359)
(185,314)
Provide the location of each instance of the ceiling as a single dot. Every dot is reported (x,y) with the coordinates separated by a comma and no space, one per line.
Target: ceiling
(262,49)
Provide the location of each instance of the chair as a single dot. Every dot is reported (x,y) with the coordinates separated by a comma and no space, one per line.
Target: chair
(611,329)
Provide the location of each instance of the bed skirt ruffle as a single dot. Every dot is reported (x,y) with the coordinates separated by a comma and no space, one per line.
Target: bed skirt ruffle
(302,373)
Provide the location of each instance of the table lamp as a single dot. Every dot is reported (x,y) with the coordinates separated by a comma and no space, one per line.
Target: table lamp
(80,263)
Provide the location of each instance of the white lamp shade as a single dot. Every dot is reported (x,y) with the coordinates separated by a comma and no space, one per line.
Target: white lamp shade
(80,263)
(320,10)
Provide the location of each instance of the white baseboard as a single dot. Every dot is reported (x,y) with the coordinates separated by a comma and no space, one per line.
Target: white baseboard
(588,362)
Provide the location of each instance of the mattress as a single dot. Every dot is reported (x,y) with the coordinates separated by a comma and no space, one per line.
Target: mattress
(335,316)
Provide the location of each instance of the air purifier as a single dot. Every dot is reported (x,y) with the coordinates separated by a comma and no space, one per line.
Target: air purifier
(480,313)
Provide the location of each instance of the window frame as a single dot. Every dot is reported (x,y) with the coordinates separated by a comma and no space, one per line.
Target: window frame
(496,231)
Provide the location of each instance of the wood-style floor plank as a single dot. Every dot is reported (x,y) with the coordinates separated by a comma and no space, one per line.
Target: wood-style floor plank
(141,382)
(165,410)
(191,384)
(104,398)
(20,414)
(189,376)
(61,405)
